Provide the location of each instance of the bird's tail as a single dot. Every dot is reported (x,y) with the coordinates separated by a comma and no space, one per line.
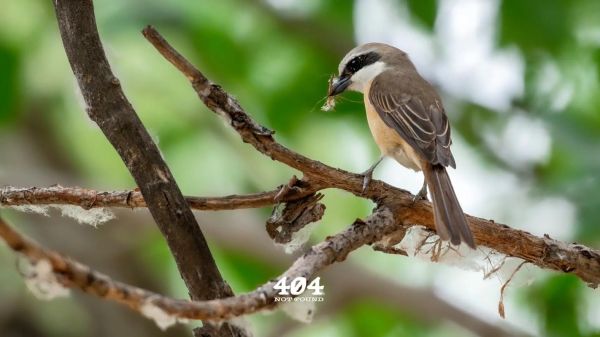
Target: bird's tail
(450,221)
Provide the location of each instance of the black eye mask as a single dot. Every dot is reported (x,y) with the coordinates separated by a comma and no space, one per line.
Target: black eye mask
(360,62)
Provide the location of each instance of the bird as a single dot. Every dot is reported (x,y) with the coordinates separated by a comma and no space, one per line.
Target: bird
(409,124)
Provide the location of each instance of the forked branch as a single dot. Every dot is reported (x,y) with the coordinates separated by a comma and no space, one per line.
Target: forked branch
(395,213)
(543,252)
(76,275)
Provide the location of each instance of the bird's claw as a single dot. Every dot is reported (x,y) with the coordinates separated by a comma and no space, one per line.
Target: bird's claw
(368,175)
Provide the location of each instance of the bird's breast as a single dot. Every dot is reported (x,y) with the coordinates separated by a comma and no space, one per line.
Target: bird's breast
(389,140)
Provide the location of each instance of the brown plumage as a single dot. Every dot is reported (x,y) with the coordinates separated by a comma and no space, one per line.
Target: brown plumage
(408,123)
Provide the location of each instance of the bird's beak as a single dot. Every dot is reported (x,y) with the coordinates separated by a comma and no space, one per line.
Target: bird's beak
(338,85)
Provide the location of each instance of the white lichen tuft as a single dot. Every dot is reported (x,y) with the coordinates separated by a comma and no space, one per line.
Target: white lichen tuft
(43,210)
(92,217)
(299,238)
(42,282)
(426,245)
(423,244)
(162,319)
(508,270)
(302,311)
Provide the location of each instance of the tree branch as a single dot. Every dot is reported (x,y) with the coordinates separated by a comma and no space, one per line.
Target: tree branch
(543,252)
(421,302)
(76,275)
(395,213)
(88,199)
(114,114)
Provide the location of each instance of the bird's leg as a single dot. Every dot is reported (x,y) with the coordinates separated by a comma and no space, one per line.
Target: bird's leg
(368,174)
(422,195)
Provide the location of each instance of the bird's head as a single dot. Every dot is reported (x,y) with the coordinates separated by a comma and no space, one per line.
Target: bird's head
(362,64)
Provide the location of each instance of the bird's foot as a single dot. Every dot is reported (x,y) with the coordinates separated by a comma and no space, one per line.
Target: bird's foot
(368,174)
(367,177)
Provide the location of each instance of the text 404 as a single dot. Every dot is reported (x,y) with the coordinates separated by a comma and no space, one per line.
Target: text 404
(298,285)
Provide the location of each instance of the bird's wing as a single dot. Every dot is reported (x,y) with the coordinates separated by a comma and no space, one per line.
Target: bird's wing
(418,117)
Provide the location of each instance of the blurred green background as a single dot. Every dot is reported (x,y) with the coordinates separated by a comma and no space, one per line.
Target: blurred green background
(520,81)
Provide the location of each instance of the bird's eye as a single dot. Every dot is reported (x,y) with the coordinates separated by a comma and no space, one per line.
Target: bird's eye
(353,65)
(359,62)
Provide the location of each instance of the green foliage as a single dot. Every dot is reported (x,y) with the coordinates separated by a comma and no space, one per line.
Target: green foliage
(277,64)
(536,26)
(424,10)
(10,86)
(337,14)
(246,272)
(389,322)
(573,165)
(558,303)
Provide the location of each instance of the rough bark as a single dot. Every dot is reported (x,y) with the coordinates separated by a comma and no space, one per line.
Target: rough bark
(544,252)
(114,114)
(76,275)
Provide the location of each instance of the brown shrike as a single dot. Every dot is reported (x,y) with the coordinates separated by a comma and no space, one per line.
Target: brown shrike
(409,124)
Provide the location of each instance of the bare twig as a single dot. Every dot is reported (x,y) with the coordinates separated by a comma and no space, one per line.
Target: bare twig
(396,211)
(544,252)
(422,302)
(87,198)
(503,288)
(494,269)
(75,275)
(110,109)
(388,249)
